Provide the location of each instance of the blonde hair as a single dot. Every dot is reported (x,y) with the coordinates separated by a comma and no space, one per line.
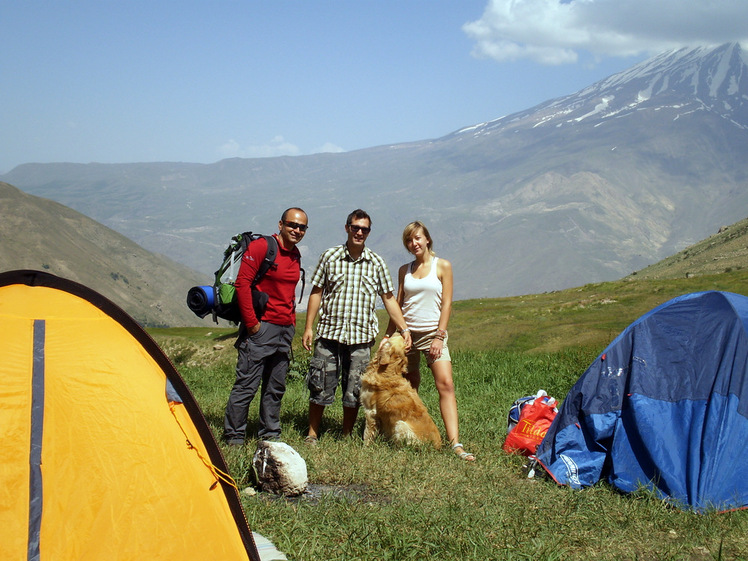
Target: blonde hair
(411,228)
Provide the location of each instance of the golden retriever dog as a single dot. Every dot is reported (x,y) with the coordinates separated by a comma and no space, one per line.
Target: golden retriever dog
(391,405)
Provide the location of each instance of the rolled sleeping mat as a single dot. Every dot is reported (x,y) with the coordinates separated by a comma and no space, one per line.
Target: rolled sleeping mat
(201,299)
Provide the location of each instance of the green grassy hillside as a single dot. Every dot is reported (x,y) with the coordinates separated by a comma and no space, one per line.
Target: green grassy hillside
(587,316)
(722,252)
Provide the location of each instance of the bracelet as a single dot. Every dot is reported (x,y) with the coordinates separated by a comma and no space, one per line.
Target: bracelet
(385,336)
(441,333)
(439,337)
(404,331)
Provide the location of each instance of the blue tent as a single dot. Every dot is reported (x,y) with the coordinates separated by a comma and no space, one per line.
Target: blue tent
(664,406)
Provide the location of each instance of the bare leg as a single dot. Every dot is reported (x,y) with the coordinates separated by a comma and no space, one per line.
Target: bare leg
(442,371)
(350,414)
(315,419)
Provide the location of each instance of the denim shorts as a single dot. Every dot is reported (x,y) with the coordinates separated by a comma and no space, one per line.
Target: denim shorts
(335,363)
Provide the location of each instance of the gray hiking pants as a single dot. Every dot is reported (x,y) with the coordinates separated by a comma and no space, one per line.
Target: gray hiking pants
(262,359)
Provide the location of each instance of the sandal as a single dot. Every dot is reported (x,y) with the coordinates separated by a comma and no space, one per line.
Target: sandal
(311,440)
(467,456)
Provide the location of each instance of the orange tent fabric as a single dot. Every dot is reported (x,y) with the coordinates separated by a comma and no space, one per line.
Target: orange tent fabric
(96,461)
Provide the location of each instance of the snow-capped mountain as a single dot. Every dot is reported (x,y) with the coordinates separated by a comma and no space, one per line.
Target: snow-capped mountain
(707,79)
(579,189)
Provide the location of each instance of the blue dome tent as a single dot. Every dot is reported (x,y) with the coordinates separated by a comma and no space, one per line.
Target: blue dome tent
(664,406)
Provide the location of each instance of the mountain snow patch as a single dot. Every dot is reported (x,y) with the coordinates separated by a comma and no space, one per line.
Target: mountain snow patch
(599,108)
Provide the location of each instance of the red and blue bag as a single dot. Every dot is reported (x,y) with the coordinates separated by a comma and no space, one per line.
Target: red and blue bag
(535,417)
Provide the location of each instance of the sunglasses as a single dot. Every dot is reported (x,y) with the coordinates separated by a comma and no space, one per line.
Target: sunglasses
(295,226)
(356,229)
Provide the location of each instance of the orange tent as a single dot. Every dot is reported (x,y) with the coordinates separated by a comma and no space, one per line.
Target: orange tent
(105,453)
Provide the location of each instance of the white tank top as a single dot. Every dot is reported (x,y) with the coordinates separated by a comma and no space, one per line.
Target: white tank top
(422,299)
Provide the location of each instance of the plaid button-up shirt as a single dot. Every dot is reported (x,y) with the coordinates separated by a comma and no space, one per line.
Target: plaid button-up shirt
(349,294)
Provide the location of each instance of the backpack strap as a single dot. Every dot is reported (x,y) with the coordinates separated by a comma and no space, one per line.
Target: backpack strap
(269,259)
(303,283)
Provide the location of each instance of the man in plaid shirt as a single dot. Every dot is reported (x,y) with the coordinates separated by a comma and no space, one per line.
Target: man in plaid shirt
(345,286)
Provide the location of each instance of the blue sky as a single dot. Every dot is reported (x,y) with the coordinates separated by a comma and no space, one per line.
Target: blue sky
(139,81)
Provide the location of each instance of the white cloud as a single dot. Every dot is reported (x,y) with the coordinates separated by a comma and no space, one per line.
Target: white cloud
(328,147)
(276,147)
(555,31)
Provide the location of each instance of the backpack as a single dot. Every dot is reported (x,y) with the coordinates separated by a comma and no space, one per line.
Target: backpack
(220,298)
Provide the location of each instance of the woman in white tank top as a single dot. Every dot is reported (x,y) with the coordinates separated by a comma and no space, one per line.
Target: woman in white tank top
(425,295)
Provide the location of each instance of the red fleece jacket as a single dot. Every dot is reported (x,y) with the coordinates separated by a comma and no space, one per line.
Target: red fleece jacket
(279,283)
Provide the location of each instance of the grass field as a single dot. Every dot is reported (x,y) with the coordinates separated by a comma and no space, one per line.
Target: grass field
(387,503)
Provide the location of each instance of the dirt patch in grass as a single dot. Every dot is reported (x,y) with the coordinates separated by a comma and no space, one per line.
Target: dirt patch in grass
(317,492)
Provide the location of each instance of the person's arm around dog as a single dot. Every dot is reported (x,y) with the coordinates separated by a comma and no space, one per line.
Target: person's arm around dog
(396,318)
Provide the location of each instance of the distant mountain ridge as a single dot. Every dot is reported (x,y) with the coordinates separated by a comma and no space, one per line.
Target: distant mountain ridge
(44,235)
(583,188)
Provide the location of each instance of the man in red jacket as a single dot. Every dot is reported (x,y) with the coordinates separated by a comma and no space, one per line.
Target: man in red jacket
(264,343)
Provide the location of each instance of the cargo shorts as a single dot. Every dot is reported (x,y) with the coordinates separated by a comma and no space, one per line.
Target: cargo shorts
(335,363)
